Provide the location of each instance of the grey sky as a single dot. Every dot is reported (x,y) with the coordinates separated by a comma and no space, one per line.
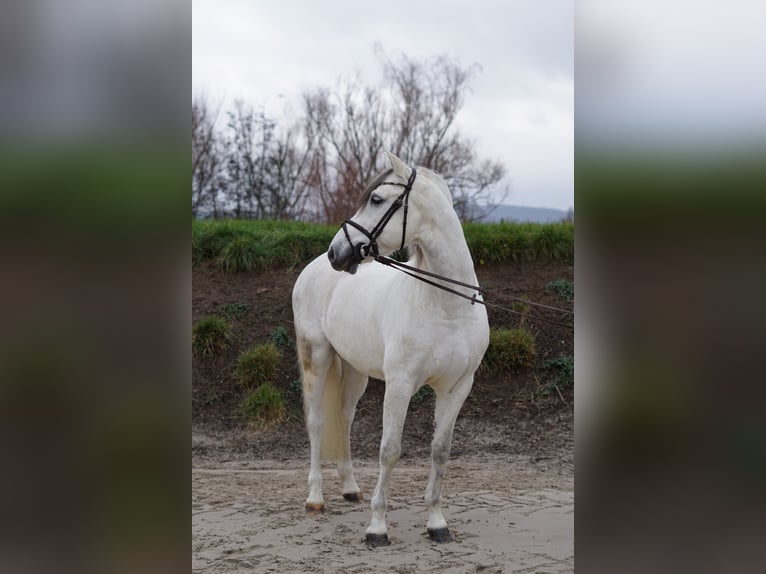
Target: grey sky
(520,109)
(682,73)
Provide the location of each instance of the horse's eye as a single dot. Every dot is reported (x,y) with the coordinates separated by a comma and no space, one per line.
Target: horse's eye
(376,199)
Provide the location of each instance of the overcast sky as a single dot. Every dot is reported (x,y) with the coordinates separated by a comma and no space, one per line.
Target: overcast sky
(520,110)
(681,73)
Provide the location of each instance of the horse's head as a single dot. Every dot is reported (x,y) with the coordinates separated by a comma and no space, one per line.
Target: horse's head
(385,220)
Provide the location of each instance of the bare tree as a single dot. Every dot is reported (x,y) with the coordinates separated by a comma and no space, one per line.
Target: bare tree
(288,169)
(347,128)
(411,114)
(315,169)
(267,168)
(208,159)
(248,137)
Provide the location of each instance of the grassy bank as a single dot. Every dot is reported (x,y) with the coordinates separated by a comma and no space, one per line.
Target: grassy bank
(244,245)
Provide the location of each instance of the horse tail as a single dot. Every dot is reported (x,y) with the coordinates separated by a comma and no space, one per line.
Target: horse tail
(334,428)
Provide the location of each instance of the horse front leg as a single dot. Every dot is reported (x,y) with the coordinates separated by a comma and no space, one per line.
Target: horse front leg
(395,405)
(448,406)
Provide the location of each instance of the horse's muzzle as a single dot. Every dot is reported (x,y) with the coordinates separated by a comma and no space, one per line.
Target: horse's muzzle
(345,259)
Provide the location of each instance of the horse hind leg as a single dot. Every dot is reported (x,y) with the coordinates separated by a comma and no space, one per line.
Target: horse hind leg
(354,385)
(448,406)
(315,361)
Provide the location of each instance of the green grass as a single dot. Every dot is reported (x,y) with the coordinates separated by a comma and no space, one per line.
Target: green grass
(509,350)
(257,365)
(520,242)
(563,287)
(263,406)
(258,244)
(241,253)
(523,309)
(246,245)
(211,336)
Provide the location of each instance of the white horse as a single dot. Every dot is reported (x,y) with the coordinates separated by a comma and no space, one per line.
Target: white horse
(376,322)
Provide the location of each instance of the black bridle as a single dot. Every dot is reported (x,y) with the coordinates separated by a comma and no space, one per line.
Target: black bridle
(371,249)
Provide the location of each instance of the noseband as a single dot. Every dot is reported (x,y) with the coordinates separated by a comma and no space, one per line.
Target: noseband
(361,251)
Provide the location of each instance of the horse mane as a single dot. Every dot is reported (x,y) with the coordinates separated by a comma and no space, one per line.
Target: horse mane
(440,183)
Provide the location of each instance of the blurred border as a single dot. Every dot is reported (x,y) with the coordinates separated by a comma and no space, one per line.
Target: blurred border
(669,178)
(96,290)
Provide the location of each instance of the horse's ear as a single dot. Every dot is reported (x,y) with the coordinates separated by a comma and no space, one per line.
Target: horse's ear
(400,168)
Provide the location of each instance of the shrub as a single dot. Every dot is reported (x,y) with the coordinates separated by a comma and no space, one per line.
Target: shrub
(510,350)
(280,339)
(210,336)
(563,369)
(257,365)
(264,405)
(563,287)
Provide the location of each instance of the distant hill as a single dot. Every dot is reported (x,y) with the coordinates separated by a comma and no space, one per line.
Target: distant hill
(522,214)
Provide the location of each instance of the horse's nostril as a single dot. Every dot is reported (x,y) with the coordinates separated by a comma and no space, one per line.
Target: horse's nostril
(331,255)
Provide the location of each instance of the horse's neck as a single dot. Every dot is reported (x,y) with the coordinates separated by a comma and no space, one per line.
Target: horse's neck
(442,249)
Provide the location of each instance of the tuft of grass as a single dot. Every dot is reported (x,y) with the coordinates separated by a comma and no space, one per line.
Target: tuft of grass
(523,309)
(257,365)
(211,336)
(235,310)
(280,338)
(274,243)
(563,287)
(240,254)
(263,406)
(422,394)
(510,350)
(208,239)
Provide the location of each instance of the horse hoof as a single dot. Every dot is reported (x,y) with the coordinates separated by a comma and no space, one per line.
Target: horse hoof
(440,534)
(313,508)
(375,540)
(352,496)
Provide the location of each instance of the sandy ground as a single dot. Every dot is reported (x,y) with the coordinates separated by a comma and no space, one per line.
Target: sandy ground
(505,514)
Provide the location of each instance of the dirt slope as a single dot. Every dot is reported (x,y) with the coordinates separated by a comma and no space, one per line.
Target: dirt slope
(508,413)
